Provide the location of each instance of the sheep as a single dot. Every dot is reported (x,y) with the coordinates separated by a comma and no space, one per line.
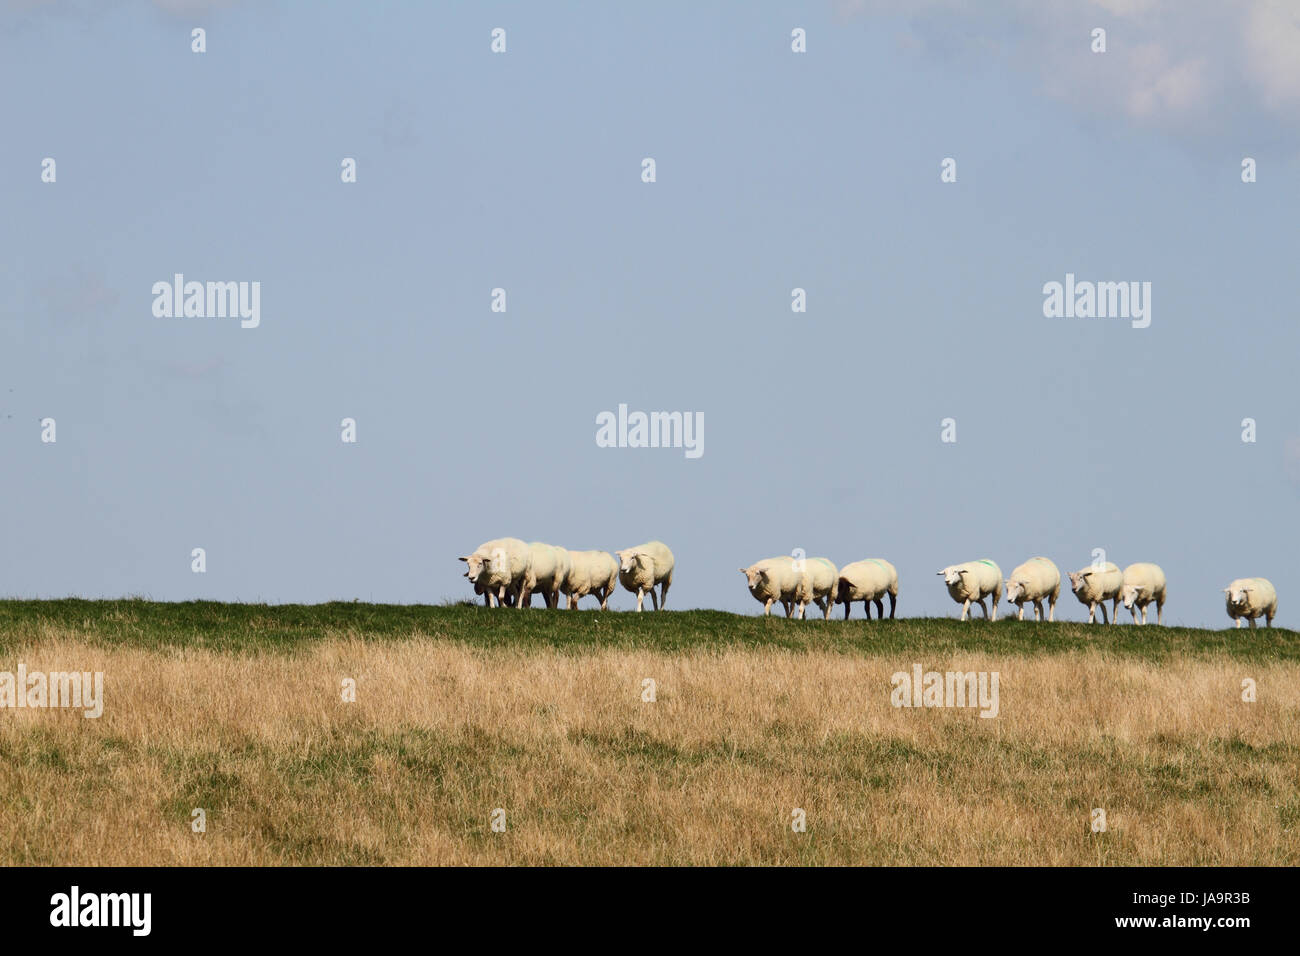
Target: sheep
(817,582)
(1144,583)
(1036,579)
(548,566)
(590,572)
(774,580)
(1250,598)
(497,568)
(868,581)
(971,582)
(503,596)
(644,566)
(1095,585)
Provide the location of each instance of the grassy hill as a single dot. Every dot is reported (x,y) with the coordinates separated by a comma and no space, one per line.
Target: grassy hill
(463,715)
(247,627)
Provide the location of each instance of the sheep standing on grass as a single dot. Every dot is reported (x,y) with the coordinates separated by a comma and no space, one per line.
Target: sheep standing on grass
(868,581)
(774,581)
(497,568)
(1035,580)
(590,572)
(1095,585)
(644,566)
(1144,583)
(972,582)
(817,580)
(548,566)
(1251,598)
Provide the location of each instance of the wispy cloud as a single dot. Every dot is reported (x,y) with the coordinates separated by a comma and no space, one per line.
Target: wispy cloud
(1188,67)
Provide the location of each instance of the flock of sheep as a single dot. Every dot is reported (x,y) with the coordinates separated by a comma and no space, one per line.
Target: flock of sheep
(507,571)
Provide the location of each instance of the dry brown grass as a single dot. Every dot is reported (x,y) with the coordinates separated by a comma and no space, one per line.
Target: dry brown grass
(442,733)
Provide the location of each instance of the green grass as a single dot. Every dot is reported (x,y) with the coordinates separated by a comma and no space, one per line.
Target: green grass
(285,627)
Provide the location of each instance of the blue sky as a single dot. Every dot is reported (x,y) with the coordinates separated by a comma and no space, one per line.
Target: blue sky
(522,171)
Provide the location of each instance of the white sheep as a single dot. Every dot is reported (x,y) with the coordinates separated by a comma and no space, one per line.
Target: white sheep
(548,566)
(1035,580)
(1143,583)
(590,572)
(973,581)
(1095,585)
(644,566)
(868,581)
(774,580)
(1250,598)
(497,568)
(817,582)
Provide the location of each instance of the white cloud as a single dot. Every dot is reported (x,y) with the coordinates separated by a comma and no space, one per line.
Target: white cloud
(1186,67)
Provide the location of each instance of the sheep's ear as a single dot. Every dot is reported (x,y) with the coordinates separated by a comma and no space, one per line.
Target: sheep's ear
(1227,590)
(744,571)
(463,559)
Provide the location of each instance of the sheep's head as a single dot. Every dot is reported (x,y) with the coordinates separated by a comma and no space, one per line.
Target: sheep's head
(628,559)
(1238,596)
(754,576)
(952,575)
(1130,593)
(1077,580)
(477,564)
(1014,589)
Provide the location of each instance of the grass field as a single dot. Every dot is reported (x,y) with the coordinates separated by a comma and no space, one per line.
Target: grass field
(459,711)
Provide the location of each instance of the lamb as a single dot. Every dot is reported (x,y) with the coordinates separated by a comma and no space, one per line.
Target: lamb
(1144,583)
(548,566)
(971,582)
(817,582)
(774,580)
(497,568)
(590,572)
(868,581)
(1095,585)
(1250,598)
(644,566)
(1035,580)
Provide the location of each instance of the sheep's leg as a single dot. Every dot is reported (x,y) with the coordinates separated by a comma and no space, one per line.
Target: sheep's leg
(1102,606)
(984,608)
(1268,618)
(1051,605)
(1252,623)
(1134,609)
(1160,612)
(663,593)
(1238,620)
(893,600)
(965,609)
(1021,615)
(640,596)
(880,608)
(789,609)
(1092,612)
(767,608)
(654,598)
(847,606)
